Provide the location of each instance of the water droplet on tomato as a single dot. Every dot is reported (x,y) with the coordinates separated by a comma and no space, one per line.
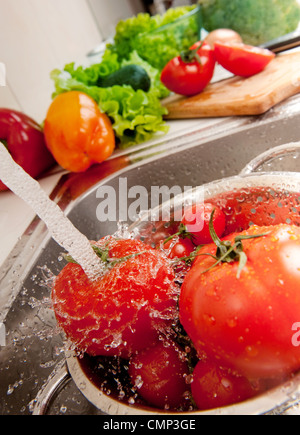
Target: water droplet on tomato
(232,323)
(251,351)
(209,320)
(131,401)
(226,384)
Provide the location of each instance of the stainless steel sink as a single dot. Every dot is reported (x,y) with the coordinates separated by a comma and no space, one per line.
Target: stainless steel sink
(33,377)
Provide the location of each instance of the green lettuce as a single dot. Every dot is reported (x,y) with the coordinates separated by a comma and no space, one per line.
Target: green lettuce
(90,75)
(159,38)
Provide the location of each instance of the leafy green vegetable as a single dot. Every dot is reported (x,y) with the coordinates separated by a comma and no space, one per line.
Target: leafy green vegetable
(160,38)
(136,115)
(91,75)
(257,21)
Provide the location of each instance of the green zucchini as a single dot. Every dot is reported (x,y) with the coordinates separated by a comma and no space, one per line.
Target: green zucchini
(132,75)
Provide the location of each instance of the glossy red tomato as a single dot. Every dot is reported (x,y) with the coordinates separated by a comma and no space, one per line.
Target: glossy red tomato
(121,312)
(244,320)
(181,249)
(241,59)
(214,387)
(189,74)
(196,222)
(160,375)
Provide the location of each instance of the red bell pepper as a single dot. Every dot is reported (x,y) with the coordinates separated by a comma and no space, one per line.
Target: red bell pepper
(24,140)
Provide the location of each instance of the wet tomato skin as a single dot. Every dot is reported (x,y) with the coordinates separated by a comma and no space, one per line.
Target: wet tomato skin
(122,312)
(246,323)
(181,249)
(214,387)
(159,374)
(196,220)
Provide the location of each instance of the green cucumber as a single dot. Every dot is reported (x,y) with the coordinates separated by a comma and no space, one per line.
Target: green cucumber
(132,75)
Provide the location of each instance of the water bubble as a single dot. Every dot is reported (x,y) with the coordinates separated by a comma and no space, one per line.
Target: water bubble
(63,409)
(131,401)
(10,390)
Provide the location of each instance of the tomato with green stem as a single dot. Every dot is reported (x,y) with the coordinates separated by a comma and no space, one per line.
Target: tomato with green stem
(195,224)
(125,309)
(191,72)
(181,248)
(240,299)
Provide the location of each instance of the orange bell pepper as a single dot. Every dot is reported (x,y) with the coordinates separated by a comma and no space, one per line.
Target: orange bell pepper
(77,133)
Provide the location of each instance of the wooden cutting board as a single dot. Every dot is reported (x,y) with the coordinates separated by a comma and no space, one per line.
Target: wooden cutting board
(242,96)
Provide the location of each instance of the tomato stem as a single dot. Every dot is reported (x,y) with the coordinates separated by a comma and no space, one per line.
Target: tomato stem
(103,254)
(191,55)
(183,232)
(228,253)
(188,260)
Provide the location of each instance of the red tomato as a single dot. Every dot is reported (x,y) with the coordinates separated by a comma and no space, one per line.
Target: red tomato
(122,311)
(191,76)
(160,374)
(197,218)
(183,248)
(242,60)
(214,387)
(245,322)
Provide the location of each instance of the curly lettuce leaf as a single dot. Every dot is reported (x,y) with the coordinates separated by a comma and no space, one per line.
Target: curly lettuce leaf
(91,75)
(153,42)
(136,115)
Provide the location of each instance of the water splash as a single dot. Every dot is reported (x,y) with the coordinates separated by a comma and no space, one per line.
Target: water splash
(59,226)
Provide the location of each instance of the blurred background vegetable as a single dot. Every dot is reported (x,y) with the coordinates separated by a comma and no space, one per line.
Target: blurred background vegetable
(25,141)
(159,38)
(257,21)
(77,133)
(222,35)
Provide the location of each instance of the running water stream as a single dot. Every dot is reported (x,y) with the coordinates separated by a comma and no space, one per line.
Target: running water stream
(59,226)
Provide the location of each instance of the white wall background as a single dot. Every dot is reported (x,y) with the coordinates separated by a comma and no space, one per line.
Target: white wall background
(37,36)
